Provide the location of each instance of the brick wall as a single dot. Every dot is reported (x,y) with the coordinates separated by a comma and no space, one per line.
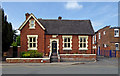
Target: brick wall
(75,47)
(104,38)
(108,38)
(118,54)
(63,57)
(113,39)
(37,31)
(44,41)
(19,49)
(27,60)
(10,51)
(78,57)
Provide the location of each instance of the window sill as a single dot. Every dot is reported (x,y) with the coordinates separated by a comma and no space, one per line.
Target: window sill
(83,49)
(116,36)
(32,48)
(32,28)
(67,48)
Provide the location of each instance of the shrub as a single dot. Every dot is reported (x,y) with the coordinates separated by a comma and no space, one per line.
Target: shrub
(36,55)
(26,55)
(22,53)
(31,54)
(41,55)
(14,44)
(32,51)
(76,52)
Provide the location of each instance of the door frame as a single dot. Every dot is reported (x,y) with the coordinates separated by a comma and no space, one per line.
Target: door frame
(54,43)
(98,50)
(51,40)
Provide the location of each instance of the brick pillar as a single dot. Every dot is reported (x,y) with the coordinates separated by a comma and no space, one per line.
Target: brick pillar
(19,47)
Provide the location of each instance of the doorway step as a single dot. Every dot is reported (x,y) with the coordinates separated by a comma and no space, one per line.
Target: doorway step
(54,57)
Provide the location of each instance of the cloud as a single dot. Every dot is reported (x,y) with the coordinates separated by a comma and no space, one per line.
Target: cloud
(73,5)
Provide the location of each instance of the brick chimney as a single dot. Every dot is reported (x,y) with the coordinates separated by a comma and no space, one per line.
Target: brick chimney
(59,18)
(27,15)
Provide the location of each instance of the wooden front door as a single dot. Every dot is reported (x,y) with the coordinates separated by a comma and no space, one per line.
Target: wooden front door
(54,47)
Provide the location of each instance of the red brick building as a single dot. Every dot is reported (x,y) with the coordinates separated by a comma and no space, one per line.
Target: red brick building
(56,36)
(107,38)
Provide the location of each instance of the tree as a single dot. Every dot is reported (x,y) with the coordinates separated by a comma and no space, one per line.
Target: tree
(18,40)
(14,35)
(7,33)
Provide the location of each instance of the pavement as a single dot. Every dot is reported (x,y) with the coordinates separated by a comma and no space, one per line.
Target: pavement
(102,66)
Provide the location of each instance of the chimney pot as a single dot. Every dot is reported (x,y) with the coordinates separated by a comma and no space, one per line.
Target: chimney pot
(27,15)
(59,18)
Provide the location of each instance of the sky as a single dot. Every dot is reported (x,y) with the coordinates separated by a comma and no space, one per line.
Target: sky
(101,14)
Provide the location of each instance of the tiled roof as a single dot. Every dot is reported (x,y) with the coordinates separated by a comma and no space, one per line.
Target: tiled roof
(67,26)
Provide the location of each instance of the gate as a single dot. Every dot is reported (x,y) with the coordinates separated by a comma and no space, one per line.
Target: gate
(15,49)
(112,53)
(108,53)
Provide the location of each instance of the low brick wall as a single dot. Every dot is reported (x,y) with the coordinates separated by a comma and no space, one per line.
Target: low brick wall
(28,60)
(78,57)
(10,51)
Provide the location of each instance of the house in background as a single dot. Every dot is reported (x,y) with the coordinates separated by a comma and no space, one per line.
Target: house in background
(56,36)
(107,38)
(94,44)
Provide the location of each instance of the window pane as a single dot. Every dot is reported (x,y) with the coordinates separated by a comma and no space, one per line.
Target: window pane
(68,44)
(32,22)
(32,25)
(116,45)
(65,44)
(34,39)
(80,45)
(30,39)
(116,31)
(68,39)
(84,45)
(30,44)
(84,39)
(80,39)
(65,40)
(34,44)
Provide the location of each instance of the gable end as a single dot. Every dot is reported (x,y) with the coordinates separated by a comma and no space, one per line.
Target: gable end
(31,15)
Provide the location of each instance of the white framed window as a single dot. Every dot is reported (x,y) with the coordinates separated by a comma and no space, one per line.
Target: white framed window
(67,42)
(116,32)
(105,45)
(117,46)
(93,39)
(99,36)
(94,47)
(104,32)
(31,24)
(83,42)
(32,42)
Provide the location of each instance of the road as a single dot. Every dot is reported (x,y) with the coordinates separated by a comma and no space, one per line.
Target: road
(103,66)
